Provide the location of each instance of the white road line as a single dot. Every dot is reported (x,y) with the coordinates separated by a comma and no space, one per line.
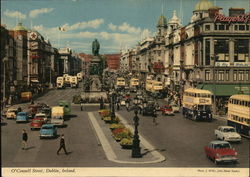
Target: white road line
(105,144)
(144,142)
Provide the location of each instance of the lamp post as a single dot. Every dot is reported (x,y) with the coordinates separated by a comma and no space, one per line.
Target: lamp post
(113,107)
(5,59)
(136,149)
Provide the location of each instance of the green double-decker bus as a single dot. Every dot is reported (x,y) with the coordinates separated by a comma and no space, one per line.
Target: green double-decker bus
(66,105)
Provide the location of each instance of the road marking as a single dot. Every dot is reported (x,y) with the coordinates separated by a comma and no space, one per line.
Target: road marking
(145,143)
(110,154)
(105,144)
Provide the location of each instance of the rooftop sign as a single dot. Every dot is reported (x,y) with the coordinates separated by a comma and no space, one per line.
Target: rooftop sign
(241,18)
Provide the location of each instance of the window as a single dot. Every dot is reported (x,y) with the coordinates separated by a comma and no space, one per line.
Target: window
(247,75)
(221,75)
(227,75)
(221,27)
(221,48)
(235,75)
(241,75)
(207,52)
(241,50)
(247,27)
(236,27)
(207,27)
(242,27)
(207,75)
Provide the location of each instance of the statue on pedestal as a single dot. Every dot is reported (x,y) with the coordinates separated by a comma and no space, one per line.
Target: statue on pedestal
(95,47)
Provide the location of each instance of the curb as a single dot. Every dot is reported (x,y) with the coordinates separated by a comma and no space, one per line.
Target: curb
(109,152)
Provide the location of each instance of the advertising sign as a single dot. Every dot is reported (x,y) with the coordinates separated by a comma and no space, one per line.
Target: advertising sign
(241,18)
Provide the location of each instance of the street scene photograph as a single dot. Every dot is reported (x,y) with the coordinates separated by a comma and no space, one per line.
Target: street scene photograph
(125,88)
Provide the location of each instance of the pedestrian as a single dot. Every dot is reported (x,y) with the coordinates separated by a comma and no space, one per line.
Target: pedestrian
(62,145)
(127,105)
(154,117)
(25,139)
(81,104)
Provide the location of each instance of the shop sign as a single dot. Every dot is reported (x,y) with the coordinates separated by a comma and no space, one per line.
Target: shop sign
(222,64)
(242,64)
(241,18)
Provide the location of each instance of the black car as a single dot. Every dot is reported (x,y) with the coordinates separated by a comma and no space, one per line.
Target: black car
(149,111)
(47,111)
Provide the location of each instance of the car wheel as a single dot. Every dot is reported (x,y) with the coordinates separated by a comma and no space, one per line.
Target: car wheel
(215,162)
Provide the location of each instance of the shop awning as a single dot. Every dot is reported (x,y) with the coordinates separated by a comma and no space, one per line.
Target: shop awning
(226,89)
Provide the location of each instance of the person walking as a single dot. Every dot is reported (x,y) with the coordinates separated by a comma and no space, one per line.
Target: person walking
(81,104)
(62,145)
(24,140)
(155,116)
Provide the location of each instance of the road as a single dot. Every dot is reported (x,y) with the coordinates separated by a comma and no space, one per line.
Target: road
(180,140)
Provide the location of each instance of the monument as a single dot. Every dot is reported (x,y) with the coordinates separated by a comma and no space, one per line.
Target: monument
(93,90)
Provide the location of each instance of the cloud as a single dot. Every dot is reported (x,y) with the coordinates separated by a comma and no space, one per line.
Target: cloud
(125,27)
(14,14)
(36,12)
(82,25)
(112,27)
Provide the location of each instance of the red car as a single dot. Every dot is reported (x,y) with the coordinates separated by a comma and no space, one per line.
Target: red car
(221,151)
(37,123)
(167,110)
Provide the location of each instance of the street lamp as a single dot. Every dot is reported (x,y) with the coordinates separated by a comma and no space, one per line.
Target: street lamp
(136,149)
(112,107)
(214,58)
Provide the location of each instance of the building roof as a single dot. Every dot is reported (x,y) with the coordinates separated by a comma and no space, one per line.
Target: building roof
(241,97)
(203,5)
(20,27)
(174,19)
(162,21)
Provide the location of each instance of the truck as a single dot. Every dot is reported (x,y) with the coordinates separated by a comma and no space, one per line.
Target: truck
(74,82)
(60,83)
(57,116)
(66,107)
(227,133)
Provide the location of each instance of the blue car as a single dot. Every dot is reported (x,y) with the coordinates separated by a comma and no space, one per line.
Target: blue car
(22,117)
(48,131)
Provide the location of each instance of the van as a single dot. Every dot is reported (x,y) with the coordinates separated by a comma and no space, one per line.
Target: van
(57,116)
(26,96)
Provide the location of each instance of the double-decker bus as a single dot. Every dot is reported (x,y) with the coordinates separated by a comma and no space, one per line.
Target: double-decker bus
(149,85)
(134,82)
(197,104)
(157,86)
(120,82)
(238,114)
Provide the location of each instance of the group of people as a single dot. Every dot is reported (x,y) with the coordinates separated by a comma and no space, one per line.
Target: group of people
(25,142)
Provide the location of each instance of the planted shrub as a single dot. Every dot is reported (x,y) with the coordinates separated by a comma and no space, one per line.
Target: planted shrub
(126,141)
(121,133)
(115,126)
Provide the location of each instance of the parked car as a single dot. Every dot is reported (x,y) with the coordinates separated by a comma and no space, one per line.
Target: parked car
(221,151)
(11,113)
(167,110)
(22,117)
(149,111)
(175,108)
(37,123)
(227,133)
(48,131)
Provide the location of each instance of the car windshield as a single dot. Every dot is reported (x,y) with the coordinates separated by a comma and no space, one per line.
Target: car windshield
(21,114)
(229,130)
(222,146)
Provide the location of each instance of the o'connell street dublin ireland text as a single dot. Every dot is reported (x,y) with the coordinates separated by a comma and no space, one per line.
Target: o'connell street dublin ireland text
(120,88)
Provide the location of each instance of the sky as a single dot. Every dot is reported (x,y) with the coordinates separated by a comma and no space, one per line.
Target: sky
(117,24)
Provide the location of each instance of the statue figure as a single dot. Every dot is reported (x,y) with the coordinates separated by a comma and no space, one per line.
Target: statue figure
(95,47)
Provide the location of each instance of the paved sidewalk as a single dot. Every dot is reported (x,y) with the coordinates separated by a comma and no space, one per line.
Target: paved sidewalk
(113,150)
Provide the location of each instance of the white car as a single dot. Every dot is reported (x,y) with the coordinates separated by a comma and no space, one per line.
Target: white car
(175,108)
(123,103)
(41,115)
(227,133)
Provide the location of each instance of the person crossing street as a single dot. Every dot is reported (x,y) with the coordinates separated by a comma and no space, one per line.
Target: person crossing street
(62,145)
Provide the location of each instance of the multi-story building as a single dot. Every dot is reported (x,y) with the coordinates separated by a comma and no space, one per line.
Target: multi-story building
(113,61)
(212,51)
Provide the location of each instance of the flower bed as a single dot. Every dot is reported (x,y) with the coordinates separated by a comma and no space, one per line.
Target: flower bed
(121,133)
(126,143)
(104,112)
(115,126)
